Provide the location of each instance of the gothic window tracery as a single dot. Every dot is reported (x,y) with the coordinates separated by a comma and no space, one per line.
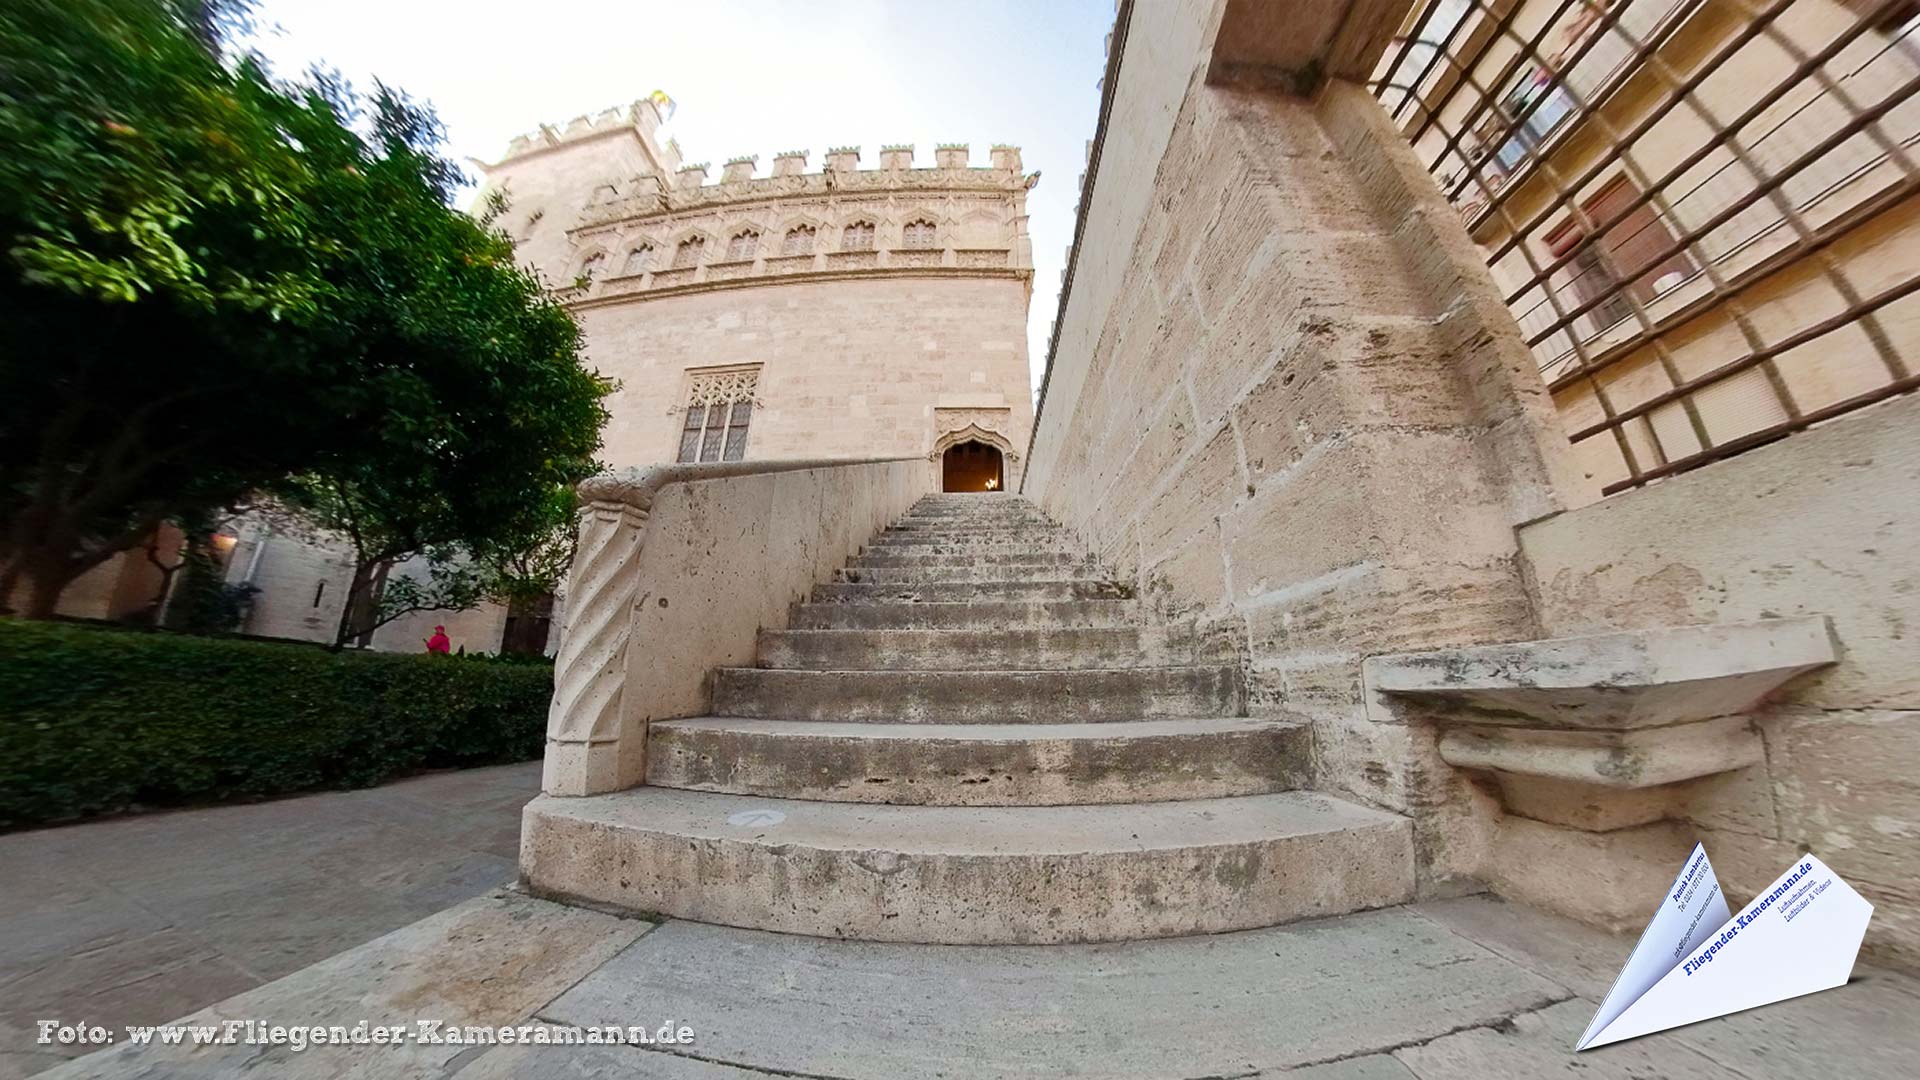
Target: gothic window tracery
(688,253)
(639,260)
(719,412)
(591,266)
(857,237)
(920,233)
(743,245)
(799,241)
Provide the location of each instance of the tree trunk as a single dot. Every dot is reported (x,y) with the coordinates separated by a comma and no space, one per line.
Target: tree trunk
(363,598)
(44,586)
(9,581)
(350,610)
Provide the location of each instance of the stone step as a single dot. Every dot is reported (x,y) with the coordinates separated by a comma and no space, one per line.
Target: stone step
(968,875)
(980,764)
(972,503)
(978,615)
(963,572)
(903,543)
(849,592)
(995,528)
(1032,538)
(995,521)
(982,650)
(980,697)
(1023,560)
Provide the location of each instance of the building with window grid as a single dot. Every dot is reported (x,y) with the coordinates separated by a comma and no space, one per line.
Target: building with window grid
(1700,213)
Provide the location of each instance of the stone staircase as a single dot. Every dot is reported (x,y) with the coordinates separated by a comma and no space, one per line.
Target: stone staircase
(972,736)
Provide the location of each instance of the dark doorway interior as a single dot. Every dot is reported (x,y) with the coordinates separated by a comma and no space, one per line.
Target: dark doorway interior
(528,622)
(971,466)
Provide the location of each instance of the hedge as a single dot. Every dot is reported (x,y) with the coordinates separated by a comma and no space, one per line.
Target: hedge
(94,721)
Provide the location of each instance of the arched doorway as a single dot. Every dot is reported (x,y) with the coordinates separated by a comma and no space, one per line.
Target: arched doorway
(972,466)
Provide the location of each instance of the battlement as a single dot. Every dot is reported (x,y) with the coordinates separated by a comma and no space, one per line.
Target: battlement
(689,188)
(894,157)
(646,114)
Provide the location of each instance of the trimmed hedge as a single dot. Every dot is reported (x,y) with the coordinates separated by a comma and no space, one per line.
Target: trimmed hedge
(94,721)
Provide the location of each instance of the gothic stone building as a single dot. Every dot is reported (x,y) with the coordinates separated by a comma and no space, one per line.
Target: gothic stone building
(841,313)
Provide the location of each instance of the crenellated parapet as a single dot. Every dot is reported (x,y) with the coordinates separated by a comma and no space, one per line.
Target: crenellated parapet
(690,191)
(646,114)
(658,236)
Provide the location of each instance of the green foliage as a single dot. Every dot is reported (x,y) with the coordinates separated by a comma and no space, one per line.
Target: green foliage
(203,602)
(210,282)
(95,721)
(531,562)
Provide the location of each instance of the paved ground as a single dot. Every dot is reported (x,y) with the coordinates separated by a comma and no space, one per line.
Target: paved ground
(1470,989)
(139,920)
(148,919)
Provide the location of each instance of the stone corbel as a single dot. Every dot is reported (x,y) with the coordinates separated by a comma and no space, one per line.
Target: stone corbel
(1604,732)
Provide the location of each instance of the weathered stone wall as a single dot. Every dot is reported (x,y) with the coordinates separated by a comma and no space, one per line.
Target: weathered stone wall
(849,368)
(1819,524)
(1287,398)
(549,175)
(1294,422)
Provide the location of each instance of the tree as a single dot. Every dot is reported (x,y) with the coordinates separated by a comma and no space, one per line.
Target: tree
(212,282)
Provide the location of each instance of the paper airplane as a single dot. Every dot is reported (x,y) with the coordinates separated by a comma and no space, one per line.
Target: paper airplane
(1696,960)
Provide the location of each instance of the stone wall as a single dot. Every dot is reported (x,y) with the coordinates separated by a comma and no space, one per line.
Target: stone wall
(848,368)
(1295,421)
(1287,399)
(1819,524)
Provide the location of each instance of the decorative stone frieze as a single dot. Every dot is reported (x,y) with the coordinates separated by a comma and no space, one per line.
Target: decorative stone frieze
(689,196)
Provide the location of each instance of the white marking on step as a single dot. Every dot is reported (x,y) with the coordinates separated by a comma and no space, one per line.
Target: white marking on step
(753,819)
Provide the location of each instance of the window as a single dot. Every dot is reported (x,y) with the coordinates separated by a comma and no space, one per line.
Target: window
(590,268)
(639,260)
(742,246)
(920,234)
(1554,104)
(688,253)
(1630,249)
(799,241)
(1418,65)
(719,410)
(857,237)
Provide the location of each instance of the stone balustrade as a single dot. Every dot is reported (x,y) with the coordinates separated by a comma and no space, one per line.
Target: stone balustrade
(658,596)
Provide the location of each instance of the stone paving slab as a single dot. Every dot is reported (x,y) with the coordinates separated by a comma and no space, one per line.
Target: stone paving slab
(1539,1044)
(1469,989)
(490,961)
(1225,1005)
(1869,1024)
(595,1063)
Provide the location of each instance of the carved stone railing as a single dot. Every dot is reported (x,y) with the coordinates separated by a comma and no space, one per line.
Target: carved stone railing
(648,537)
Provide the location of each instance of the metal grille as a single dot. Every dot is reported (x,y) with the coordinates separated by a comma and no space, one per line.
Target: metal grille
(1700,211)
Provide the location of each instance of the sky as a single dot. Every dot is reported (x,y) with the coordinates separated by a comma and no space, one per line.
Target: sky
(748,76)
